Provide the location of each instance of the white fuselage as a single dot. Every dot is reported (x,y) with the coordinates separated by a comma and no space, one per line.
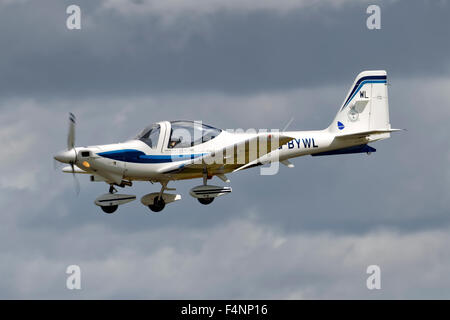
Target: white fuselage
(116,169)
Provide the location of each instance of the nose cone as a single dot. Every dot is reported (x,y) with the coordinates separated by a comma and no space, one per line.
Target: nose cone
(68,156)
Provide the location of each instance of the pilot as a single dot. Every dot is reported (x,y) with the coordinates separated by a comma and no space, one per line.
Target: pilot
(172,143)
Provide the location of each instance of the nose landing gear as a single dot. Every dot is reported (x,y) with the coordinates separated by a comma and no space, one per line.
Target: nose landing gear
(109,202)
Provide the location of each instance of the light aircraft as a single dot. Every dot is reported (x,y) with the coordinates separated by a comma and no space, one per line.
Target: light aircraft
(176,150)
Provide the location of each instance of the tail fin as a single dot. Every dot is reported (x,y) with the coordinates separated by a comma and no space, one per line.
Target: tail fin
(365,107)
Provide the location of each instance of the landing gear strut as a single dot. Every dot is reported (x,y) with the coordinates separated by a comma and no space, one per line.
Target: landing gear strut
(207,200)
(158,202)
(205,194)
(112,208)
(112,189)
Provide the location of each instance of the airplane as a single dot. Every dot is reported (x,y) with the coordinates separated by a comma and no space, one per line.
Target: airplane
(177,150)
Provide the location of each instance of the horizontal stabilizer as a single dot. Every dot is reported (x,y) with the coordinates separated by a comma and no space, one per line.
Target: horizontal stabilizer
(363,134)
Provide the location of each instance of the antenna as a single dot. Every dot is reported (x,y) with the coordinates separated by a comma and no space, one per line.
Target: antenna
(288,124)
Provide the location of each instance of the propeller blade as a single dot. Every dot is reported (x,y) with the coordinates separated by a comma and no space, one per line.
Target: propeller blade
(75,180)
(71,135)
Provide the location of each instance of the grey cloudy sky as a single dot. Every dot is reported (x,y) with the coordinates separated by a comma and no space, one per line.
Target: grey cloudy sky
(307,232)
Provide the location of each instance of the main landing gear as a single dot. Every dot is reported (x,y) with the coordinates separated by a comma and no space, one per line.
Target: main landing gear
(158,204)
(205,194)
(157,201)
(205,201)
(109,209)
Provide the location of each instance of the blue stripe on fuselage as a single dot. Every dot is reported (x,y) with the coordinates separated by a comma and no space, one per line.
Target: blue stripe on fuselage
(360,83)
(136,156)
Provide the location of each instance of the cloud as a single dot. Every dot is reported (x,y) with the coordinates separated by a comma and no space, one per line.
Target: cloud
(241,259)
(271,238)
(225,50)
(171,8)
(21,138)
(308,232)
(42,128)
(10,2)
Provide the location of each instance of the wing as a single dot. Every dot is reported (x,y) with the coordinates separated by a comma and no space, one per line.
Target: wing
(240,154)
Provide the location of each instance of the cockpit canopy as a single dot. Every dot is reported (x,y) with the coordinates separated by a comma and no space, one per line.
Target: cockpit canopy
(150,135)
(183,134)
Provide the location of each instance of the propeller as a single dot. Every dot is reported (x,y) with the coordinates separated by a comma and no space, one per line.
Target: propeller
(70,146)
(71,135)
(55,164)
(70,156)
(75,181)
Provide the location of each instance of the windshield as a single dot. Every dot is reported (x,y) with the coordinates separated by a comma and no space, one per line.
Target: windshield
(150,135)
(185,134)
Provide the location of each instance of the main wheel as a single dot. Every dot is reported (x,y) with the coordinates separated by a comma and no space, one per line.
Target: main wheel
(158,204)
(109,209)
(205,201)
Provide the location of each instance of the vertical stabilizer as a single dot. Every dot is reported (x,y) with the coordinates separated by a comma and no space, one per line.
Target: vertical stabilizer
(365,107)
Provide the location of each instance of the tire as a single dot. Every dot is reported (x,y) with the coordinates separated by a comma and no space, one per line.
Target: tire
(109,209)
(205,201)
(158,205)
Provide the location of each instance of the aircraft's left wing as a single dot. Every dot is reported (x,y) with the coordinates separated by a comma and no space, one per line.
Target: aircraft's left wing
(242,153)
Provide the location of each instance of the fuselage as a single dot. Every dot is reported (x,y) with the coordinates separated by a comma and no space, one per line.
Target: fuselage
(135,160)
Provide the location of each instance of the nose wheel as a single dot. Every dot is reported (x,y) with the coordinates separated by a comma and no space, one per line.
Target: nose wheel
(112,208)
(110,202)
